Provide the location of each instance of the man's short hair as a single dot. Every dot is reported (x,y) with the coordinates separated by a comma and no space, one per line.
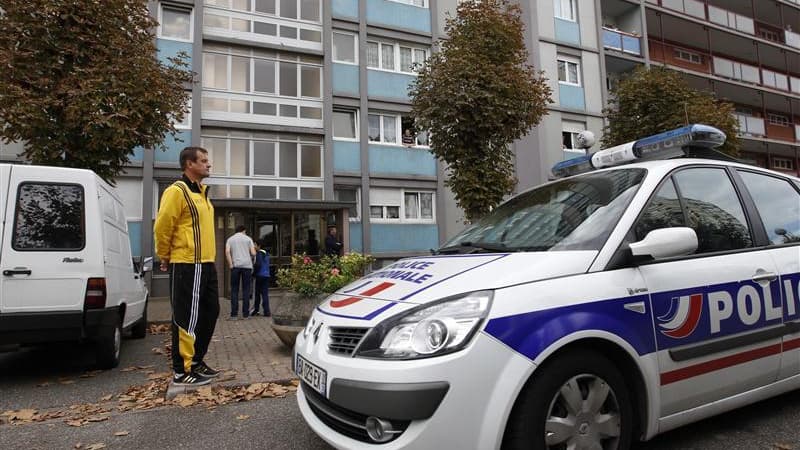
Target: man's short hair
(240,228)
(190,154)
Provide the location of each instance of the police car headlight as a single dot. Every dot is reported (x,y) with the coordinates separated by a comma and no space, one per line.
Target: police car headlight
(430,330)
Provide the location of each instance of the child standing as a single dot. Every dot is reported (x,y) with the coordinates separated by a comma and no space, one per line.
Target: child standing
(261,272)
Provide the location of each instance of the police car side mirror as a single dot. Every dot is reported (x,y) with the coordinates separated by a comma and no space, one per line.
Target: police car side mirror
(666,242)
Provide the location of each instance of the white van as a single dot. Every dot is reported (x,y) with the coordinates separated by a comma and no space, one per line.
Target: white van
(65,261)
(587,313)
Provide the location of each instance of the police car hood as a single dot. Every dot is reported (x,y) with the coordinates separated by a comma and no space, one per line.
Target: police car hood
(420,280)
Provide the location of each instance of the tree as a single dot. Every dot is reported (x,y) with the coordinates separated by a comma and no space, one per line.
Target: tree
(81,84)
(652,101)
(476,95)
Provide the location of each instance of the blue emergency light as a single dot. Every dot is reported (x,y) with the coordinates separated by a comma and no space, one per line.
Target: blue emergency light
(669,144)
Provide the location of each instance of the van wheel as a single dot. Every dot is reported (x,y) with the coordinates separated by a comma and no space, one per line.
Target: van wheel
(108,347)
(139,329)
(579,400)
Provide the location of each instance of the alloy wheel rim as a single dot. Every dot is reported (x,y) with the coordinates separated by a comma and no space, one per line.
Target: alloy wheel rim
(584,414)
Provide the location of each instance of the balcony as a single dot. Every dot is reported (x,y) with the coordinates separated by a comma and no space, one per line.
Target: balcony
(736,70)
(622,42)
(276,31)
(751,126)
(265,109)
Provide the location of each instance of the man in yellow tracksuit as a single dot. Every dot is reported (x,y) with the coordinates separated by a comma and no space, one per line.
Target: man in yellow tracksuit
(184,236)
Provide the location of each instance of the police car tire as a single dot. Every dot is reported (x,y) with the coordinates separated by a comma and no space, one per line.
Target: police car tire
(108,348)
(526,427)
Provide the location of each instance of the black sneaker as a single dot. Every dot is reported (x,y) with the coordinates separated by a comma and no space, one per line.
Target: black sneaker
(190,379)
(203,370)
(255,313)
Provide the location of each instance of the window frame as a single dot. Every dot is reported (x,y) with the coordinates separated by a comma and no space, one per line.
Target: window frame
(567,60)
(398,129)
(356,124)
(778,120)
(558,10)
(775,163)
(425,3)
(397,60)
(355,48)
(357,189)
(20,186)
(688,56)
(160,30)
(419,219)
(400,193)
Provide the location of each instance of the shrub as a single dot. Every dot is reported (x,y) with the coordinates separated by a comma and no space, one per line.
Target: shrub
(310,278)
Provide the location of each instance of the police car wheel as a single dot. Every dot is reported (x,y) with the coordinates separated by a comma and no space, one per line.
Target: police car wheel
(578,400)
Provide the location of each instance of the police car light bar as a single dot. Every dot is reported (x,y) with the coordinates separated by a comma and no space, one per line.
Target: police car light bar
(665,145)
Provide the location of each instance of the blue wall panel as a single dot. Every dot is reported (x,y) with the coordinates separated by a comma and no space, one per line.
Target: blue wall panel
(135,236)
(398,15)
(388,84)
(393,159)
(571,96)
(356,239)
(174,147)
(346,157)
(344,8)
(567,31)
(404,237)
(138,154)
(345,79)
(168,48)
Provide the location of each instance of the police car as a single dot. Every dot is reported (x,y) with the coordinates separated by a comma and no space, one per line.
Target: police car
(599,309)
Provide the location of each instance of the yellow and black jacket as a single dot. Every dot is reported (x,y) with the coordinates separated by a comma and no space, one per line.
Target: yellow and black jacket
(184,228)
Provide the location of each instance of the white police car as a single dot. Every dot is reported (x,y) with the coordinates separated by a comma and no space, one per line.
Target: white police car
(586,313)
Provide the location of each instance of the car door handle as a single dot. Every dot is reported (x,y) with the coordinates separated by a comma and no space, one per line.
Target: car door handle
(761,276)
(12,272)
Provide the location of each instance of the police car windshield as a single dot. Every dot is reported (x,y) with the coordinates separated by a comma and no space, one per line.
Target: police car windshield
(577,213)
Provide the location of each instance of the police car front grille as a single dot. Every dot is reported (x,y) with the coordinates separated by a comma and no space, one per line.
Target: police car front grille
(343,341)
(343,420)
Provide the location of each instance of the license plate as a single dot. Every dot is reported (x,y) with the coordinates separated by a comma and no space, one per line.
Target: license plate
(311,374)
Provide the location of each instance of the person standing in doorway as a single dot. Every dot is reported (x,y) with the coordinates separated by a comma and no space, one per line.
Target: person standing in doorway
(239,251)
(333,247)
(184,241)
(261,273)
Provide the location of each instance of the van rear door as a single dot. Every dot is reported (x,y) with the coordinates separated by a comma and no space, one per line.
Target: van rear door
(44,246)
(5,170)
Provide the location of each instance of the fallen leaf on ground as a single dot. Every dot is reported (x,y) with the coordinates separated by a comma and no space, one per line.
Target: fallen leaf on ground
(121,433)
(242,417)
(78,445)
(106,398)
(96,446)
(67,382)
(782,446)
(75,423)
(25,415)
(158,351)
(45,384)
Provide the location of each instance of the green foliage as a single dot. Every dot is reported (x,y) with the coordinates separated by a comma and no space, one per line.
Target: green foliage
(652,101)
(81,84)
(477,95)
(310,278)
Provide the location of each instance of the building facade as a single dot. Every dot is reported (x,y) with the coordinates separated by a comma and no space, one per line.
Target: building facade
(304,107)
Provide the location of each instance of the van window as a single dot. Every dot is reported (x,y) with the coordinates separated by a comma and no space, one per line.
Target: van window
(49,216)
(576,213)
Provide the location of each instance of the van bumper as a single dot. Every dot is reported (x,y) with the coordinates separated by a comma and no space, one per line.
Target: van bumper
(56,326)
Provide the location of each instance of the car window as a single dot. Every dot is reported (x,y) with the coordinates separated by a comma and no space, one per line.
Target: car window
(49,217)
(576,213)
(778,204)
(664,211)
(713,209)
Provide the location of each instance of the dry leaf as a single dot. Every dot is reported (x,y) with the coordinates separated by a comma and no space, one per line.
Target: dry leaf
(782,446)
(78,445)
(67,382)
(158,351)
(96,418)
(45,384)
(75,423)
(96,446)
(128,369)
(106,398)
(121,433)
(242,417)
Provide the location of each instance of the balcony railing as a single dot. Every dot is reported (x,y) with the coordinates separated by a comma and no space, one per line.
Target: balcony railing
(797,133)
(731,20)
(736,70)
(751,126)
(621,41)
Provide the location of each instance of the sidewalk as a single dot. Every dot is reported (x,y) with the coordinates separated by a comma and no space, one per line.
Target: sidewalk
(248,347)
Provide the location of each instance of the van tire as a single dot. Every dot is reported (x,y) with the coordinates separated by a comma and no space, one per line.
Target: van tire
(139,329)
(108,348)
(541,399)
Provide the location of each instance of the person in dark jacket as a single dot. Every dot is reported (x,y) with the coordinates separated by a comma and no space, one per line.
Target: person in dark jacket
(261,273)
(333,247)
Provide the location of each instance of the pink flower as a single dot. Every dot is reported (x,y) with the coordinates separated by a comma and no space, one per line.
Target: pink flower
(306,260)
(335,271)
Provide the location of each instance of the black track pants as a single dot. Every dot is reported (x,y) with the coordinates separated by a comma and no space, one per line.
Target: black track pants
(195,308)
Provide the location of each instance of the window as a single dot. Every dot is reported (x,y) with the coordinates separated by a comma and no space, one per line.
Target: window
(399,58)
(384,212)
(410,136)
(420,3)
(380,55)
(344,48)
(345,124)
(685,55)
(568,71)
(569,135)
(778,204)
(769,35)
(778,119)
(49,217)
(782,163)
(175,23)
(383,128)
(565,9)
(713,210)
(418,205)
(664,211)
(350,194)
